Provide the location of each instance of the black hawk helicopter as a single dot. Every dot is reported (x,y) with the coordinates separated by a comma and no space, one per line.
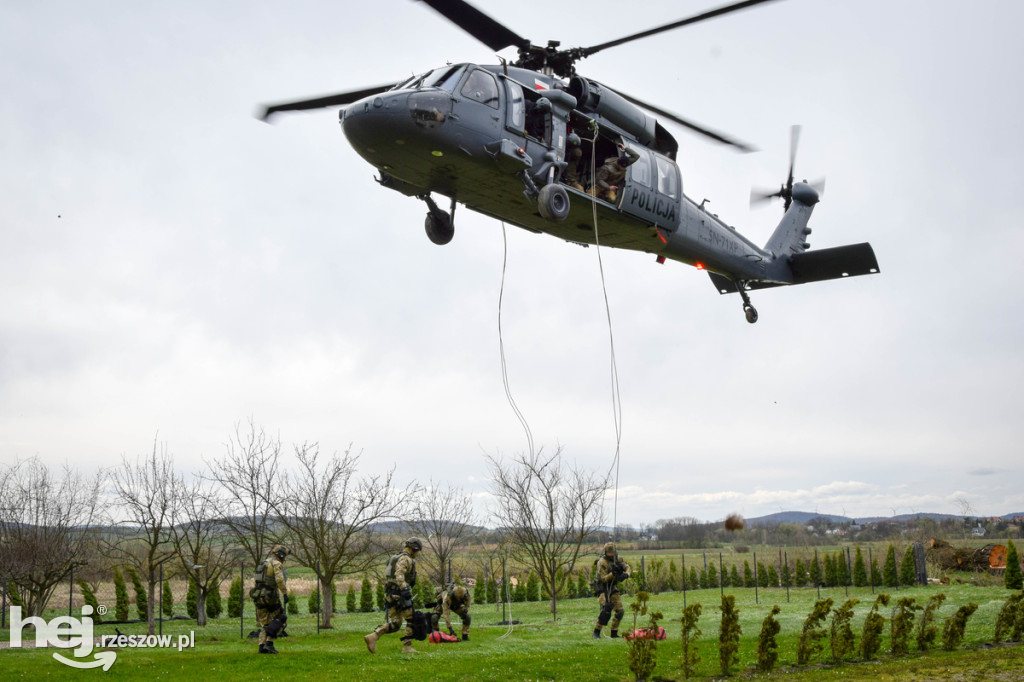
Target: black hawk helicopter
(516,142)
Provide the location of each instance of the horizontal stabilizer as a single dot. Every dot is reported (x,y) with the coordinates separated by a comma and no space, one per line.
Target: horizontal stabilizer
(815,266)
(834,263)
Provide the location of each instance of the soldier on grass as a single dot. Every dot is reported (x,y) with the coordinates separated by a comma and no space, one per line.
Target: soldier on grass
(452,598)
(271,585)
(611,570)
(399,579)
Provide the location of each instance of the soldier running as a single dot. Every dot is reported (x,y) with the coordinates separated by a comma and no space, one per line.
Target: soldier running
(399,577)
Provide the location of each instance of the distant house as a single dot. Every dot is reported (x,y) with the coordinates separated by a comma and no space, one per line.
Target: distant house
(978,532)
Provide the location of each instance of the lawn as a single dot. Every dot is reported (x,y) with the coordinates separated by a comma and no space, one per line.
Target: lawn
(539,649)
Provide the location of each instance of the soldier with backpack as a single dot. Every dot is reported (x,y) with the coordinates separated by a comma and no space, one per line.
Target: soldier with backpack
(271,584)
(609,571)
(399,579)
(452,598)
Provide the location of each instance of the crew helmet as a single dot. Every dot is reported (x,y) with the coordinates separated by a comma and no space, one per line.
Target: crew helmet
(280,551)
(609,548)
(415,544)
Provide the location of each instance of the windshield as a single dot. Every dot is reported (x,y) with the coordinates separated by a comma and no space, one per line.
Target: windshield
(445,78)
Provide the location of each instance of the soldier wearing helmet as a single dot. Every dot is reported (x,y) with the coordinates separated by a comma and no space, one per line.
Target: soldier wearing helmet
(267,594)
(612,174)
(611,570)
(399,579)
(573,159)
(452,598)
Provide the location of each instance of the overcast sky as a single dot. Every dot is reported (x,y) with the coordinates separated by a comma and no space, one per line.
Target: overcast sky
(170,266)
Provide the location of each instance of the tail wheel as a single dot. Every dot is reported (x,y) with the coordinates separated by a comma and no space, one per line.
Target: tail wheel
(439,227)
(553,202)
(751,313)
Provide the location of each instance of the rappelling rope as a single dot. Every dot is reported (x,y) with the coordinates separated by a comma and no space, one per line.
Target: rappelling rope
(501,346)
(616,397)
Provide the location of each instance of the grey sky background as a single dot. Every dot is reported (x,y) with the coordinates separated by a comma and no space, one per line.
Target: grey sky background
(170,266)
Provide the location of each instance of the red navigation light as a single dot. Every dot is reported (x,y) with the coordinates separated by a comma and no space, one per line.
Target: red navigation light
(699,266)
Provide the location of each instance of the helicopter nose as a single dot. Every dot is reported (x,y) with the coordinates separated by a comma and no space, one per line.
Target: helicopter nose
(376,125)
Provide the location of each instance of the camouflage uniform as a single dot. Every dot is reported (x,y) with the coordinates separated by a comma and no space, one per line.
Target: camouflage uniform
(611,175)
(400,577)
(452,598)
(275,580)
(610,599)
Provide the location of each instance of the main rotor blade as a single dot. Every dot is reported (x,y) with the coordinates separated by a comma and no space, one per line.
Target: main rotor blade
(587,51)
(321,102)
(474,22)
(794,141)
(707,132)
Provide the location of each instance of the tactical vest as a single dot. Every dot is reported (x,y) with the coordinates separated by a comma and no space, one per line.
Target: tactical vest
(264,592)
(390,577)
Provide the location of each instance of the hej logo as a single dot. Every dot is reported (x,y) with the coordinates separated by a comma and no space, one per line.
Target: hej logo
(63,632)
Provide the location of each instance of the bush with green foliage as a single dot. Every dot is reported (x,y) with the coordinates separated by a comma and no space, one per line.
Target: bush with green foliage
(167,605)
(814,572)
(690,659)
(1012,577)
(874,624)
(214,605)
(641,651)
(191,600)
(582,586)
(293,604)
(842,569)
(382,596)
(830,571)
(748,575)
(712,576)
(876,575)
(141,599)
(787,575)
(479,589)
(767,647)
(926,632)
(519,593)
(734,577)
(350,598)
(89,597)
(810,644)
(955,626)
(236,599)
(121,601)
(841,636)
(729,634)
(902,625)
(693,579)
(13,596)
(313,602)
(673,575)
(762,574)
(773,576)
(889,576)
(366,596)
(860,571)
(800,576)
(908,567)
(1010,621)
(533,587)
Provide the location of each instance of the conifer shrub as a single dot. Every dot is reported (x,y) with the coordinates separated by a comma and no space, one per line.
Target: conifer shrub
(889,576)
(381,596)
(236,599)
(748,575)
(874,624)
(876,575)
(1012,577)
(902,625)
(121,601)
(926,631)
(955,626)
(767,647)
(293,604)
(167,607)
(1010,621)
(908,567)
(141,598)
(89,597)
(841,638)
(191,600)
(350,598)
(814,572)
(812,633)
(800,576)
(729,634)
(214,605)
(860,571)
(691,632)
(366,596)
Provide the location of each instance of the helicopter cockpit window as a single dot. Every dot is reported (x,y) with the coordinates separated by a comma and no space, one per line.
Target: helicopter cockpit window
(668,177)
(517,111)
(447,80)
(481,87)
(640,172)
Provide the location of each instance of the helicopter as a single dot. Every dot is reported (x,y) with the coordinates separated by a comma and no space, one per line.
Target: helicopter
(535,144)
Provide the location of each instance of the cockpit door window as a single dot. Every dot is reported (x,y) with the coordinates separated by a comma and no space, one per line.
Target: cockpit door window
(481,87)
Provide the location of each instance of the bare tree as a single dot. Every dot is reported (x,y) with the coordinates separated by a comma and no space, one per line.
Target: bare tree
(201,540)
(248,474)
(330,515)
(547,510)
(145,492)
(443,518)
(45,528)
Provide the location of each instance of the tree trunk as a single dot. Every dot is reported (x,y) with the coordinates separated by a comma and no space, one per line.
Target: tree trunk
(151,604)
(201,594)
(326,601)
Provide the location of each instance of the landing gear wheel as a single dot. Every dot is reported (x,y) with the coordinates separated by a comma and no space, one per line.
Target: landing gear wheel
(553,202)
(439,227)
(751,313)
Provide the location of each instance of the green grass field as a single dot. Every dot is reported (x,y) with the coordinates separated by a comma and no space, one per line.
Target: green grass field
(539,649)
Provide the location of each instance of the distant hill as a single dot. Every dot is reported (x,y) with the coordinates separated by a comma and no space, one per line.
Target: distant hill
(805,517)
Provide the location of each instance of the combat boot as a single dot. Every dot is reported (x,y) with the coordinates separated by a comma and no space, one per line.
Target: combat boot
(597,634)
(407,647)
(371,641)
(615,634)
(268,648)
(465,637)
